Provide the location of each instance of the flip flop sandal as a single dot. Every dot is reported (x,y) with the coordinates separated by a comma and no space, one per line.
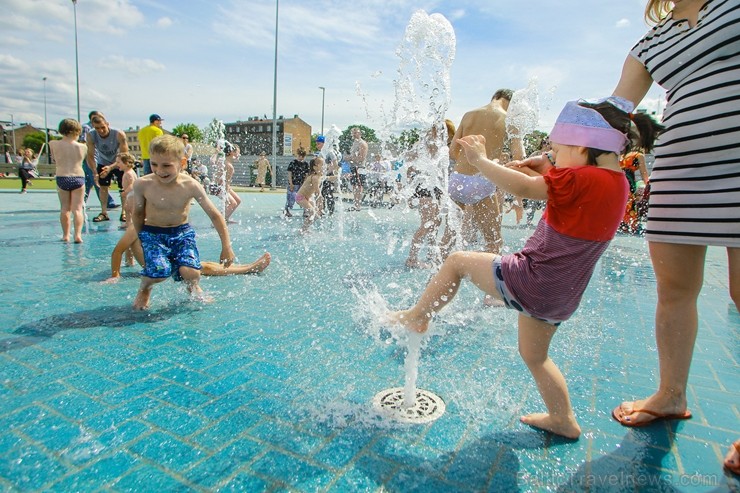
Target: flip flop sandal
(100,218)
(624,418)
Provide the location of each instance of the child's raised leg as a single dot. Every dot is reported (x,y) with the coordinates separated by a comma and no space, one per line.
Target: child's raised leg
(141,302)
(444,285)
(534,343)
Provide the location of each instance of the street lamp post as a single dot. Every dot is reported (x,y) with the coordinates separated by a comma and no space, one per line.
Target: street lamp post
(323,98)
(274,102)
(46,127)
(12,126)
(77,62)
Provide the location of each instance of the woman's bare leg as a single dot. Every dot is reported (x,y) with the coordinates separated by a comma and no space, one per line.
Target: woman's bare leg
(679,272)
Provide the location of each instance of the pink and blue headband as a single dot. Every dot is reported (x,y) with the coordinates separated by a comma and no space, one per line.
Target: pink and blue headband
(580,126)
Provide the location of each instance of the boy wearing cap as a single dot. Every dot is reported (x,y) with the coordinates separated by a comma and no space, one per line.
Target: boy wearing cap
(146,135)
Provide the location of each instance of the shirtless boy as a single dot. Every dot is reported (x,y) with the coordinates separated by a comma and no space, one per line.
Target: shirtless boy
(68,156)
(160,215)
(125,163)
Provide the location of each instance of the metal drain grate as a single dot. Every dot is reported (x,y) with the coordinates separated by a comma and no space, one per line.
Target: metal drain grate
(427,407)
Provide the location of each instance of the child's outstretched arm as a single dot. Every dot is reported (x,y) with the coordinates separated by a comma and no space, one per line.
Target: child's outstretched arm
(514,182)
(533,166)
(139,208)
(227,254)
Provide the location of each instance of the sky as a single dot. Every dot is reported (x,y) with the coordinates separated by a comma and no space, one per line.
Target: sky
(196,60)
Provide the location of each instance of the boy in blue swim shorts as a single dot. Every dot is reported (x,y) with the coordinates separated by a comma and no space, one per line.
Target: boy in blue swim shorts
(160,216)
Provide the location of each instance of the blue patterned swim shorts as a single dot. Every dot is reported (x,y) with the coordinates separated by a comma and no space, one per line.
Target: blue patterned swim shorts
(168,249)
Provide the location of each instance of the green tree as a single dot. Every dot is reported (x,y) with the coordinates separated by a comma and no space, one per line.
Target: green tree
(533,141)
(34,141)
(345,140)
(405,140)
(195,134)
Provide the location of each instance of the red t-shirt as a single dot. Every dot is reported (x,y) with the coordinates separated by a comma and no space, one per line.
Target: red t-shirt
(584,208)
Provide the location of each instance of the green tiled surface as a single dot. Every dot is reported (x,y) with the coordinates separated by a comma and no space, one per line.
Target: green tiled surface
(269,388)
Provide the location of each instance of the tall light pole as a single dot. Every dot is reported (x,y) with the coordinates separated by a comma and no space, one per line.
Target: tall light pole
(12,126)
(46,127)
(323,98)
(274,102)
(77,63)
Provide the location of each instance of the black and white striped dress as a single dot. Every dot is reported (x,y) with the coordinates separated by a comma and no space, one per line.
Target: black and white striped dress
(695,183)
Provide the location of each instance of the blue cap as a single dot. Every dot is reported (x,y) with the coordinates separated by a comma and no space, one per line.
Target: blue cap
(320,138)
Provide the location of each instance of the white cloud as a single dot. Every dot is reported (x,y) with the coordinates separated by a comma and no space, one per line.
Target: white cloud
(623,23)
(109,17)
(456,15)
(164,22)
(135,66)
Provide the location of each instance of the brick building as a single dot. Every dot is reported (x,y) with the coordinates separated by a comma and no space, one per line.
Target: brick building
(255,135)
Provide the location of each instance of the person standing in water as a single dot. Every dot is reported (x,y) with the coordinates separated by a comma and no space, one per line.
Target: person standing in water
(309,191)
(232,153)
(357,158)
(262,165)
(68,155)
(693,52)
(160,215)
(103,145)
(297,171)
(586,193)
(468,188)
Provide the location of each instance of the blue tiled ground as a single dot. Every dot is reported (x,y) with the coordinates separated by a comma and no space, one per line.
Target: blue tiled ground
(269,388)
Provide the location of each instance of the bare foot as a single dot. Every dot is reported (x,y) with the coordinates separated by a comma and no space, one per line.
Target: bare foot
(66,239)
(567,427)
(141,302)
(405,319)
(111,280)
(78,239)
(260,264)
(732,459)
(197,294)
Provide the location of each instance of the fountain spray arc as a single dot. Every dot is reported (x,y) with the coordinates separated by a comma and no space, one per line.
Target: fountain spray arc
(422,98)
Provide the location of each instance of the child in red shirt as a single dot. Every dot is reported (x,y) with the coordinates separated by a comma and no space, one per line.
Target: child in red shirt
(586,193)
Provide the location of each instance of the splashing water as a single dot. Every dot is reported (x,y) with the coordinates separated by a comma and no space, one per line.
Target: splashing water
(373,316)
(215,135)
(422,97)
(523,114)
(411,365)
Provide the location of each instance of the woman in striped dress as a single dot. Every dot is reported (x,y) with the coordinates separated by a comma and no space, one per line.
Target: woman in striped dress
(693,52)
